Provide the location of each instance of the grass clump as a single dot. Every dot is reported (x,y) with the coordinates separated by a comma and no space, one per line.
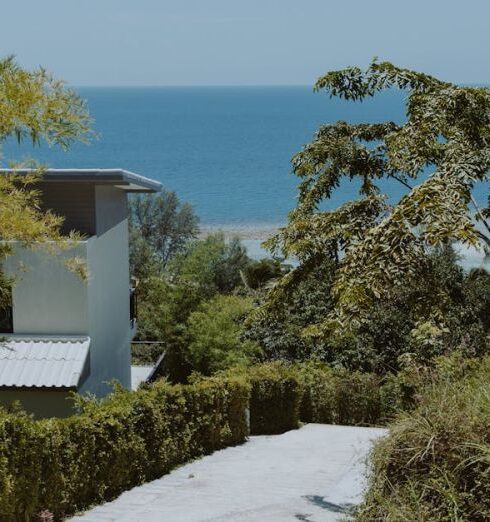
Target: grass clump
(435,462)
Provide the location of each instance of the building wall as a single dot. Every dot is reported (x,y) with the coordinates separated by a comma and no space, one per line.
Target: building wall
(48,298)
(108,296)
(74,201)
(41,403)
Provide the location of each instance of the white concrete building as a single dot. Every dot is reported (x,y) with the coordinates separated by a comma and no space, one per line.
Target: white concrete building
(66,332)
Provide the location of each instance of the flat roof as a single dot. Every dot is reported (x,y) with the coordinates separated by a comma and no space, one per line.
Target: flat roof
(123,179)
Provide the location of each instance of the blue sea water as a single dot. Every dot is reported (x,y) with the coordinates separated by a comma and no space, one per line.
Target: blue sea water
(226,150)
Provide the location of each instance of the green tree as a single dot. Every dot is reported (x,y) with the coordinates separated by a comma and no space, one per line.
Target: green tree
(143,260)
(35,106)
(212,264)
(279,331)
(392,328)
(261,273)
(214,339)
(440,154)
(160,227)
(206,268)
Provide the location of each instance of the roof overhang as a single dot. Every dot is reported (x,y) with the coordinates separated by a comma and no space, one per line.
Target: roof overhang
(120,178)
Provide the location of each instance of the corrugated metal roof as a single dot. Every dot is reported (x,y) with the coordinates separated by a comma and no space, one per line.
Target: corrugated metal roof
(51,362)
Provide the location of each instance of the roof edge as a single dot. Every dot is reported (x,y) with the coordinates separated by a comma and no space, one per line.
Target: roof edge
(125,179)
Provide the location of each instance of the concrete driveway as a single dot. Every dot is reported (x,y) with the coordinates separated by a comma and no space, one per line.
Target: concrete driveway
(314,474)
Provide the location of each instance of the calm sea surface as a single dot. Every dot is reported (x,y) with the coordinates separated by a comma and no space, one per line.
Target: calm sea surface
(226,150)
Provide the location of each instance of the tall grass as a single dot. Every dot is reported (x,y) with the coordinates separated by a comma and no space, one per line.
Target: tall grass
(435,463)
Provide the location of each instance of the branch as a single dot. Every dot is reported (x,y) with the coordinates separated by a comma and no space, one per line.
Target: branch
(402,181)
(480,215)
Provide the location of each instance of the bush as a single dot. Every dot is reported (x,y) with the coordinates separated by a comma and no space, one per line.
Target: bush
(213,340)
(435,462)
(274,397)
(64,465)
(146,353)
(339,397)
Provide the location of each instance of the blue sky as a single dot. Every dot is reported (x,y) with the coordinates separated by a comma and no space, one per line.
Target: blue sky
(244,42)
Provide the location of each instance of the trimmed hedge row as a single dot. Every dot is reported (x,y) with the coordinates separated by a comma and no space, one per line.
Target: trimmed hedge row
(274,399)
(65,465)
(282,395)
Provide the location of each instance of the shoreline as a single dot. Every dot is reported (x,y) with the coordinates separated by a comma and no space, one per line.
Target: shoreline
(242,232)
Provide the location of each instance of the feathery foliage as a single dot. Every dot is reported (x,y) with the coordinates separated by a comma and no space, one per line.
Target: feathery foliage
(35,106)
(439,154)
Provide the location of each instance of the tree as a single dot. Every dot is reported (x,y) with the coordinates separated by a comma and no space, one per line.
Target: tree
(213,335)
(163,223)
(143,260)
(35,106)
(439,155)
(279,331)
(380,343)
(168,299)
(262,273)
(211,264)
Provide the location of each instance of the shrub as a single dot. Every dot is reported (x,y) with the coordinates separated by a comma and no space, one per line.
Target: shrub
(146,353)
(64,465)
(435,462)
(274,397)
(213,335)
(336,396)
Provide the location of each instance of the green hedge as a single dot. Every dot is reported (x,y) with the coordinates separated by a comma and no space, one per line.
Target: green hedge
(64,465)
(339,397)
(274,399)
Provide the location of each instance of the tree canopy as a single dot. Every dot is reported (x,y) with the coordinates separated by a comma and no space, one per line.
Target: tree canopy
(160,225)
(35,106)
(440,154)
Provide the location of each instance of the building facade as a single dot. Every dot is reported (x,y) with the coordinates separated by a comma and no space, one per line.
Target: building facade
(70,324)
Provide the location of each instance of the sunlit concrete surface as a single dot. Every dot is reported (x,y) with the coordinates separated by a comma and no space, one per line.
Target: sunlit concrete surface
(314,474)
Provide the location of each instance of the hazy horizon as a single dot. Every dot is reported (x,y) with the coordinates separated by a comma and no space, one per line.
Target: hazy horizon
(256,43)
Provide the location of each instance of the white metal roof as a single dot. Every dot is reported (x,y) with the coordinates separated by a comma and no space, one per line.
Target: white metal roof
(42,362)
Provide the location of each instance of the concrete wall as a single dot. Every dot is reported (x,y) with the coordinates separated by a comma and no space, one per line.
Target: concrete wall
(41,403)
(108,296)
(74,201)
(48,298)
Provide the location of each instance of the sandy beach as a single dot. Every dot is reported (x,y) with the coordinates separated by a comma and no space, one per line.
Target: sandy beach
(243,232)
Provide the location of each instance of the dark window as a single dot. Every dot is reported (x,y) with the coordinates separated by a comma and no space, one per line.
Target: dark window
(133,306)
(6,321)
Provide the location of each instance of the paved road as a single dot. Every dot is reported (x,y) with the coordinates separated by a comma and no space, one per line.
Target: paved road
(313,474)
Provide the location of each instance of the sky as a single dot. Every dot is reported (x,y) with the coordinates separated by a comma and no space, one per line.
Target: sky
(244,42)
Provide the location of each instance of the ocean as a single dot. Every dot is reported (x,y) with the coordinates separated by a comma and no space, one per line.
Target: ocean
(225,150)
